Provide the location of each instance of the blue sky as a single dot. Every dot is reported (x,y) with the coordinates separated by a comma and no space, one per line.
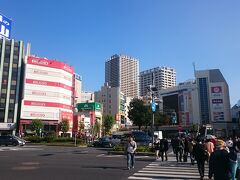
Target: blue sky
(175,33)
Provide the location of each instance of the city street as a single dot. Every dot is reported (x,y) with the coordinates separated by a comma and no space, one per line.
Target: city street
(45,162)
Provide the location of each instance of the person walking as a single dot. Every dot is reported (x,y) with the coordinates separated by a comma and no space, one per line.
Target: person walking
(232,158)
(191,143)
(165,149)
(186,150)
(219,166)
(200,156)
(131,149)
(209,146)
(179,149)
(157,147)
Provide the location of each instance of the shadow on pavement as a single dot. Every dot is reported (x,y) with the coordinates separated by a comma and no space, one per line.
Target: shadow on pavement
(105,167)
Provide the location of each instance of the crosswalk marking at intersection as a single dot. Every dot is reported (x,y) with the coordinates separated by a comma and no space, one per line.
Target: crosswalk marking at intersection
(168,170)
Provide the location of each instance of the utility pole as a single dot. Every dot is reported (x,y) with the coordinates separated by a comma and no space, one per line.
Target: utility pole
(153,105)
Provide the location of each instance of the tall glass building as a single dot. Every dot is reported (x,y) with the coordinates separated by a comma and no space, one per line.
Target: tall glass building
(11,60)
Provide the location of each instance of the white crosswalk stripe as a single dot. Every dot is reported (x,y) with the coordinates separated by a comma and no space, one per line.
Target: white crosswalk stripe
(168,170)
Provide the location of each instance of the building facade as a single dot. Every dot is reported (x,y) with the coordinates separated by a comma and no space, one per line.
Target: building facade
(123,71)
(87,97)
(214,100)
(182,100)
(77,89)
(161,77)
(47,94)
(114,103)
(90,115)
(11,60)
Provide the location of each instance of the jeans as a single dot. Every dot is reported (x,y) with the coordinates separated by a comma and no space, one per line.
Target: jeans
(130,160)
(233,169)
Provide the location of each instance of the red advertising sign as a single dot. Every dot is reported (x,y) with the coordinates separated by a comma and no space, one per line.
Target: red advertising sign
(216,89)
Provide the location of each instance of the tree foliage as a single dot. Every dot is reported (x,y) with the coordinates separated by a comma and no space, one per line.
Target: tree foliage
(64,126)
(161,119)
(139,113)
(36,125)
(96,128)
(108,123)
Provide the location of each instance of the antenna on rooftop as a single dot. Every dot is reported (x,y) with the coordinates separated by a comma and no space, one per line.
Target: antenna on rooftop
(194,69)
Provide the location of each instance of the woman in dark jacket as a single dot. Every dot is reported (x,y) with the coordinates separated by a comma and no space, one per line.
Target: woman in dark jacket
(219,165)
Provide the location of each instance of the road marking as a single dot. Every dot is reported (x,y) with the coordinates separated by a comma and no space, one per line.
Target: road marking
(168,170)
(100,155)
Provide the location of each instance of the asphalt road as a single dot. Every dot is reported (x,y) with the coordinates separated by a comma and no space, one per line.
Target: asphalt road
(64,163)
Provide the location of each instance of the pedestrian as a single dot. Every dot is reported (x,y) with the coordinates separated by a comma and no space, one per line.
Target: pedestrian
(232,158)
(157,147)
(191,143)
(179,149)
(219,166)
(209,146)
(186,150)
(237,148)
(165,149)
(131,149)
(200,156)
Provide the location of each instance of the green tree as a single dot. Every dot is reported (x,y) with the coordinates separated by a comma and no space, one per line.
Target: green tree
(64,126)
(139,113)
(161,119)
(96,128)
(81,127)
(37,125)
(108,122)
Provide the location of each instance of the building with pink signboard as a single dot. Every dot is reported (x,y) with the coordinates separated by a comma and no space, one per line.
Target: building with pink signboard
(47,93)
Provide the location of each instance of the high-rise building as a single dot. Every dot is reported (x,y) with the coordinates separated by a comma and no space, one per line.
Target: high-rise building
(123,71)
(47,94)
(161,77)
(214,99)
(11,58)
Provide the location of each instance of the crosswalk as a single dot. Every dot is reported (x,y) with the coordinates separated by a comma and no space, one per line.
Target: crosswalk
(168,170)
(20,148)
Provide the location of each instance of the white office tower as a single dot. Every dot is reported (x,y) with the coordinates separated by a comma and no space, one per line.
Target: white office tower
(123,71)
(161,77)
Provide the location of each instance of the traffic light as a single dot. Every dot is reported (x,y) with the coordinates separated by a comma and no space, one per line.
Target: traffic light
(174,118)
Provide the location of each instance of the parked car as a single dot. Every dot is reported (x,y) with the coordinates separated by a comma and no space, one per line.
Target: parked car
(103,142)
(140,137)
(11,140)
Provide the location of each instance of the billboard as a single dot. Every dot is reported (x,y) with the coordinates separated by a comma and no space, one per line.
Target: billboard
(5,27)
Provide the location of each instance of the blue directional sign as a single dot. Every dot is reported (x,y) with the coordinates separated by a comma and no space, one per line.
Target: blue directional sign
(153,105)
(5,27)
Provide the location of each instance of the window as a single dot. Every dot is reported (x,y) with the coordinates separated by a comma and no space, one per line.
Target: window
(10,120)
(12,92)
(2,100)
(14,65)
(14,82)
(5,64)
(11,101)
(4,91)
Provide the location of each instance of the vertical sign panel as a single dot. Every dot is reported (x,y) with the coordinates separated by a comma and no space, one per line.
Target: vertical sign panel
(5,27)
